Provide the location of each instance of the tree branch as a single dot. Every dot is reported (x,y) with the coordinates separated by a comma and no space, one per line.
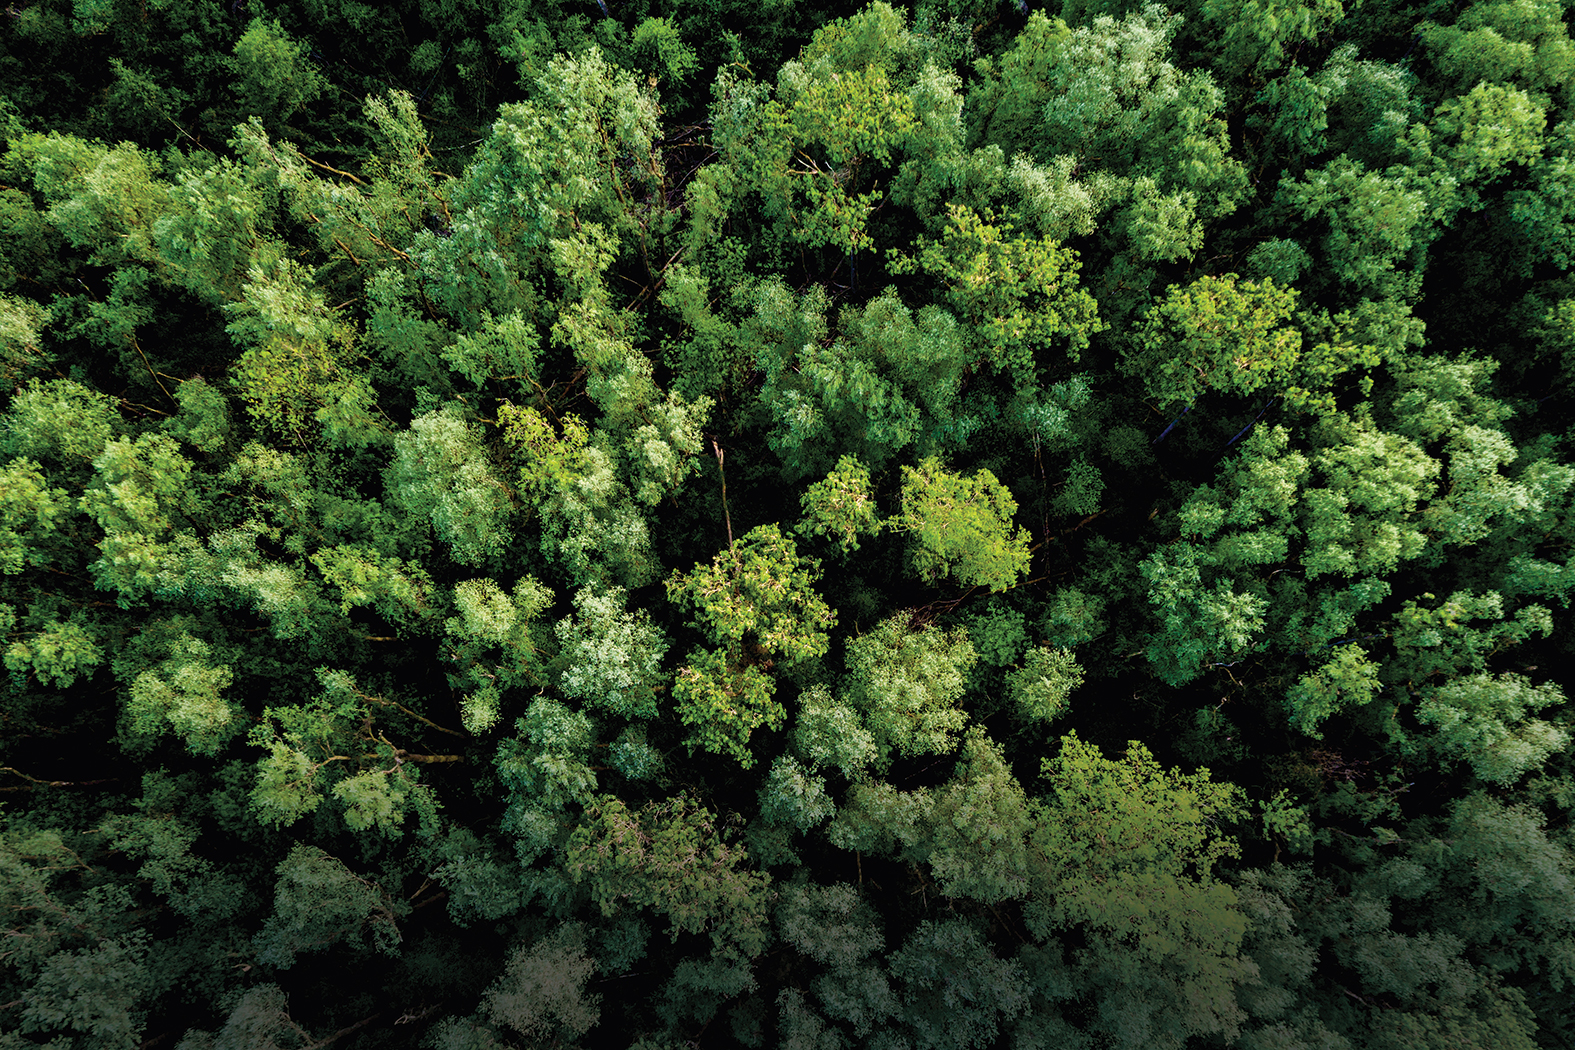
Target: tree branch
(327,167)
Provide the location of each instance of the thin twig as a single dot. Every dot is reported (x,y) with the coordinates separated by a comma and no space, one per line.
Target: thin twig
(418,717)
(725,512)
(149,367)
(328,167)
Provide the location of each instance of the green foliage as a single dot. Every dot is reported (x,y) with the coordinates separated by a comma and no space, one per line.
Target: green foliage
(829,733)
(273,76)
(203,421)
(1072,618)
(1485,131)
(1218,333)
(841,506)
(591,525)
(260,1017)
(759,592)
(1497,40)
(837,114)
(962,527)
(442,473)
(1082,492)
(659,45)
(546,768)
(670,857)
(1284,820)
(612,657)
(60,420)
(180,694)
(31,514)
(482,885)
(1485,720)
(563,152)
(1161,926)
(93,992)
(835,927)
(1256,34)
(542,991)
(1019,293)
(978,827)
(294,374)
(1199,625)
(401,592)
(906,683)
(1125,109)
(1545,210)
(998,634)
(723,702)
(634,757)
(794,796)
(97,195)
(1362,519)
(21,352)
(956,992)
(1347,679)
(57,653)
(491,643)
(320,902)
(377,786)
(889,380)
(503,349)
(1443,639)
(1377,222)
(698,989)
(362,372)
(1040,689)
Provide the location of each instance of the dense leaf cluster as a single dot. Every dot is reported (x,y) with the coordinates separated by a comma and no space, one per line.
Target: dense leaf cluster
(925,527)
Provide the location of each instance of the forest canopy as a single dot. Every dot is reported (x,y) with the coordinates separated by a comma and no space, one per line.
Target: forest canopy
(945,526)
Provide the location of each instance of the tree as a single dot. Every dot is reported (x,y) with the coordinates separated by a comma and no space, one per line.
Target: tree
(981,823)
(492,643)
(31,514)
(546,767)
(591,525)
(1484,132)
(612,656)
(962,527)
(377,785)
(1484,720)
(1164,932)
(829,732)
(1199,624)
(841,506)
(955,990)
(273,76)
(319,901)
(180,693)
(541,992)
(906,683)
(759,591)
(1019,293)
(890,380)
(1041,687)
(1255,36)
(1543,210)
(725,701)
(442,473)
(1216,334)
(670,857)
(836,927)
(837,114)
(1376,221)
